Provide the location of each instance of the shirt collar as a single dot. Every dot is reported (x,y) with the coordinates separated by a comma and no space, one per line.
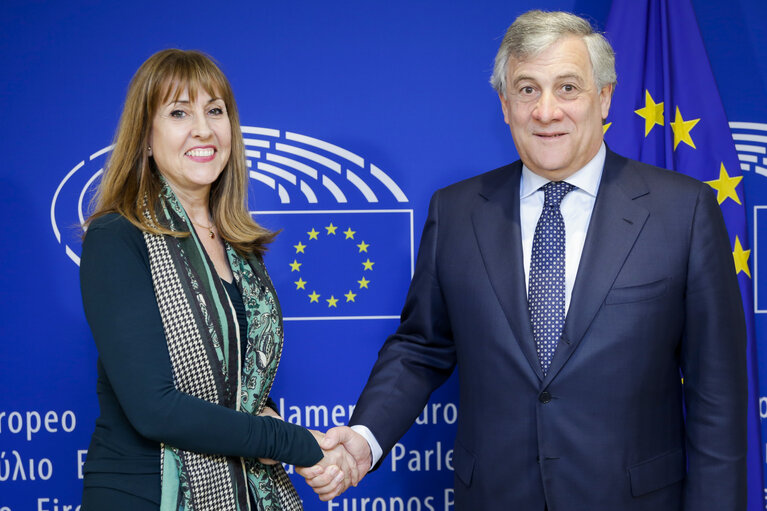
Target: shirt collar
(586,179)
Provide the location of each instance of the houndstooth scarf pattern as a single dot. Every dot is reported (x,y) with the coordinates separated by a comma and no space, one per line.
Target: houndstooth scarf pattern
(190,308)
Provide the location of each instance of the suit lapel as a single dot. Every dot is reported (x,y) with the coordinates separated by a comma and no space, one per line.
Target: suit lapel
(496,226)
(615,225)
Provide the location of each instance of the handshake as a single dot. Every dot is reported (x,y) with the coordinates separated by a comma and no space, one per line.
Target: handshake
(347,460)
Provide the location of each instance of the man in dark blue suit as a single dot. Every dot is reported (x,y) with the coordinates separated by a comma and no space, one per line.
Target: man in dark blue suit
(589,302)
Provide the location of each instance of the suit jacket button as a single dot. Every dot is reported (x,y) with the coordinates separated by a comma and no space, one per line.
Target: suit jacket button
(545,397)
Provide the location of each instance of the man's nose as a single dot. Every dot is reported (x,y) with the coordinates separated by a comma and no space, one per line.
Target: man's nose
(547,108)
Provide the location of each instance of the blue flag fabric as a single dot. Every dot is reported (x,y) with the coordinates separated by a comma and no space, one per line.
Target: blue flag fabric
(666,111)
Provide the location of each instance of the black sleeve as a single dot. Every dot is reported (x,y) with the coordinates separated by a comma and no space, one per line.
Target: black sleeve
(122,311)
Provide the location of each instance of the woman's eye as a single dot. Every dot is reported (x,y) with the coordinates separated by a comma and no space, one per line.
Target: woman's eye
(178,114)
(216,111)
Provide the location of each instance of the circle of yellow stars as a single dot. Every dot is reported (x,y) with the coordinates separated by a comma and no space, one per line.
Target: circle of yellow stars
(331,230)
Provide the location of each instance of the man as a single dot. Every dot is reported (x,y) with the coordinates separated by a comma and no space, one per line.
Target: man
(573,290)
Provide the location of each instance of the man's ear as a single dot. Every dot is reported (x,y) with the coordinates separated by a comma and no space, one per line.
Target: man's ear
(505,108)
(605,98)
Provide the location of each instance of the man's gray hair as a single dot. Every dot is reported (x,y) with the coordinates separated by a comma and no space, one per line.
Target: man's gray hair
(534,31)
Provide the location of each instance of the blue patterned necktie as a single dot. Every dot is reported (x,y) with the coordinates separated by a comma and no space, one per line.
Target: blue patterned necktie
(546,289)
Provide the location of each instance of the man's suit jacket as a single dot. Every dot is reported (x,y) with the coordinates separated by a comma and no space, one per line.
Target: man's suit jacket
(610,426)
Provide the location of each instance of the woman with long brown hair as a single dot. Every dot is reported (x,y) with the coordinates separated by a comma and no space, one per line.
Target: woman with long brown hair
(185,318)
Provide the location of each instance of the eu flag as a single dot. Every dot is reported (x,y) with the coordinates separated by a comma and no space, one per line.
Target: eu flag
(666,111)
(340,264)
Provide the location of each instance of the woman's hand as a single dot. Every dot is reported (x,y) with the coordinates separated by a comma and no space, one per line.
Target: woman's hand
(268,412)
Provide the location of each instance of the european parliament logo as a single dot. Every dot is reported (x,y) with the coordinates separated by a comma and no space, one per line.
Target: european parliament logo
(751,145)
(345,249)
(353,260)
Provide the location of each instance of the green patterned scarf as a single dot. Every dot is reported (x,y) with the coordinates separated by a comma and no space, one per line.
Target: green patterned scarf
(203,341)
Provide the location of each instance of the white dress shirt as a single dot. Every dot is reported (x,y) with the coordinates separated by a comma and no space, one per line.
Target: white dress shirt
(576,209)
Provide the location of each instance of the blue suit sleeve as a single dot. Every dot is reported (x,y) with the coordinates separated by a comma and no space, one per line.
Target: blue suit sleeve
(714,368)
(122,311)
(418,358)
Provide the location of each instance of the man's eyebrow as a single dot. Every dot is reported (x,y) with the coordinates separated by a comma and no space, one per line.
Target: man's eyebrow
(570,76)
(566,76)
(522,78)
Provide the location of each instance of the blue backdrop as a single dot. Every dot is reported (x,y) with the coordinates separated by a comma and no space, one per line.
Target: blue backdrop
(354,113)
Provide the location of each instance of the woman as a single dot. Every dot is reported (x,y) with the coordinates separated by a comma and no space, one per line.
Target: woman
(185,319)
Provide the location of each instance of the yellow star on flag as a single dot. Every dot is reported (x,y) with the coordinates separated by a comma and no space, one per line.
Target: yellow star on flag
(332,301)
(741,258)
(368,265)
(312,234)
(295,266)
(363,246)
(725,186)
(349,233)
(300,283)
(331,229)
(652,113)
(606,127)
(682,129)
(300,248)
(350,296)
(314,297)
(364,283)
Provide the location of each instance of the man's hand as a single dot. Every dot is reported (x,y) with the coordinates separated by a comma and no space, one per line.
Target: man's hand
(339,443)
(355,444)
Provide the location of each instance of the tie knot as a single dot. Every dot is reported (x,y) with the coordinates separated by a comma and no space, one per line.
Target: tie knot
(554,192)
